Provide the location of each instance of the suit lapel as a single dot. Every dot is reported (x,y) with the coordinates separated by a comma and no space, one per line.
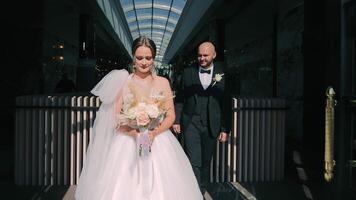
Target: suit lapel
(195,76)
(196,81)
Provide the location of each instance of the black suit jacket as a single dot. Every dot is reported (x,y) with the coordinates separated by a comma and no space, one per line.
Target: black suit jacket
(219,104)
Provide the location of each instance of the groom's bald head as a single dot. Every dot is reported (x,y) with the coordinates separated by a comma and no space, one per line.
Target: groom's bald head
(206,54)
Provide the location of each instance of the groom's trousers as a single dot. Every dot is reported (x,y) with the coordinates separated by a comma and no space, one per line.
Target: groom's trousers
(199,146)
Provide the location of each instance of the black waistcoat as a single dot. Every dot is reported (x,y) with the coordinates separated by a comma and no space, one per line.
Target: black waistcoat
(201,108)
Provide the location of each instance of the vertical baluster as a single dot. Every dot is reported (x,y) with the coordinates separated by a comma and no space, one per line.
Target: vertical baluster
(222,161)
(73,141)
(263,141)
(41,141)
(252,145)
(85,132)
(257,140)
(274,141)
(277,140)
(212,169)
(16,141)
(91,116)
(283,122)
(34,142)
(269,141)
(234,155)
(47,145)
(66,140)
(20,112)
(280,133)
(246,133)
(23,142)
(79,137)
(16,151)
(239,141)
(54,139)
(28,139)
(60,131)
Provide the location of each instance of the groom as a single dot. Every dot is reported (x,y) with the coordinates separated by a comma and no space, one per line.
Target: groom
(202,111)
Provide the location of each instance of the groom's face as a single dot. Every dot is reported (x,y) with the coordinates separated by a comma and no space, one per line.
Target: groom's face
(206,54)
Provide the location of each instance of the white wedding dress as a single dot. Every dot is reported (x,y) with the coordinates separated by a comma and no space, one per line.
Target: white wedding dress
(113,169)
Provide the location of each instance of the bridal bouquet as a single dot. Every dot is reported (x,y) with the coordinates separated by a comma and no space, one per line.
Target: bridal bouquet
(143,114)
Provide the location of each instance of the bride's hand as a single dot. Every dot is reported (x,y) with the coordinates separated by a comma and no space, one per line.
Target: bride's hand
(128,130)
(152,134)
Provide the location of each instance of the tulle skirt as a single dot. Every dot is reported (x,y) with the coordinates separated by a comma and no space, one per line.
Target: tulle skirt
(115,171)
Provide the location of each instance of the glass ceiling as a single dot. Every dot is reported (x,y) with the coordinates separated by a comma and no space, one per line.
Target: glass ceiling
(155,19)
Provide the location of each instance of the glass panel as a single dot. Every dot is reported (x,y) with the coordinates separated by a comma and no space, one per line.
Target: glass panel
(160,12)
(142,1)
(134,36)
(135,33)
(126,5)
(174,16)
(169,30)
(164,2)
(133,28)
(142,23)
(158,26)
(130,14)
(133,24)
(143,17)
(157,34)
(145,31)
(156,41)
(161,6)
(159,22)
(178,4)
(169,24)
(143,5)
(158,30)
(168,35)
(144,12)
(173,21)
(125,2)
(155,26)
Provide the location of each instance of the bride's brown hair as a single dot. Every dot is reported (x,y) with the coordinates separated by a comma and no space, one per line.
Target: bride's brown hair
(144,41)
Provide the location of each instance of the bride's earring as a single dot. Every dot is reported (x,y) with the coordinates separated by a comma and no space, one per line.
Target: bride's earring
(153,69)
(133,67)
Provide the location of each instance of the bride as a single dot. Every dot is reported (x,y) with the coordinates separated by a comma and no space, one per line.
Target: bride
(113,168)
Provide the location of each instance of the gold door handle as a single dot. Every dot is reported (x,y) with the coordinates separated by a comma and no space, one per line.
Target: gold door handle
(329,161)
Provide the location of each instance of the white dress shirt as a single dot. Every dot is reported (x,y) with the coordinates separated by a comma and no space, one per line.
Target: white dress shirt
(205,78)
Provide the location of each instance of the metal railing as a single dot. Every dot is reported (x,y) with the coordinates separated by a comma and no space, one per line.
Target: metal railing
(51,138)
(52,134)
(255,150)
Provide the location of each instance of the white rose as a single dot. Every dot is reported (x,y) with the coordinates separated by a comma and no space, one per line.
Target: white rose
(152,111)
(131,113)
(141,106)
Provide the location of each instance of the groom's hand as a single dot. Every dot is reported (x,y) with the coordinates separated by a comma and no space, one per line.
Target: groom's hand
(176,128)
(223,137)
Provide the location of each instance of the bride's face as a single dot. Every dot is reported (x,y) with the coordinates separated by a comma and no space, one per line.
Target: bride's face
(143,60)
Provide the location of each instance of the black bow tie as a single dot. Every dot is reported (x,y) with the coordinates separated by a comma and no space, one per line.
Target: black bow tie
(205,71)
